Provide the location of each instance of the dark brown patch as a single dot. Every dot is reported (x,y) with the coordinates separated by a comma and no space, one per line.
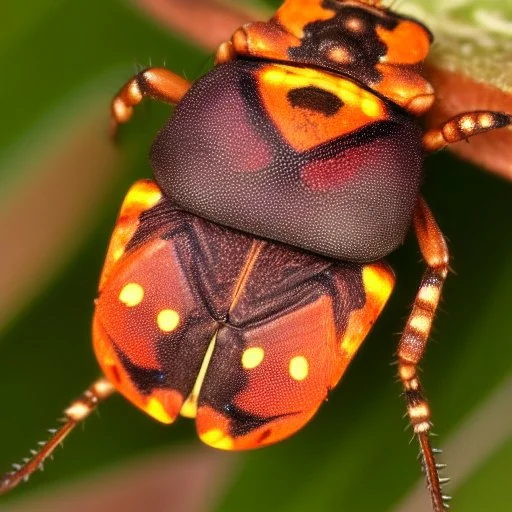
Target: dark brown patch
(314,98)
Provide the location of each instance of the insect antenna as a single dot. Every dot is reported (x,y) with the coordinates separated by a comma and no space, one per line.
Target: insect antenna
(73,415)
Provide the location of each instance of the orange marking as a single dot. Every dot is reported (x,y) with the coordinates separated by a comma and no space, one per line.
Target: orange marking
(378,281)
(304,128)
(407,371)
(354,24)
(340,55)
(407,43)
(403,86)
(143,195)
(294,16)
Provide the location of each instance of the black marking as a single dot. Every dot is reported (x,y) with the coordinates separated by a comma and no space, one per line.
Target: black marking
(414,397)
(145,379)
(243,422)
(314,98)
(320,37)
(152,221)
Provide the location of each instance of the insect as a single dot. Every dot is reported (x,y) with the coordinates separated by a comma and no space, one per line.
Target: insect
(240,283)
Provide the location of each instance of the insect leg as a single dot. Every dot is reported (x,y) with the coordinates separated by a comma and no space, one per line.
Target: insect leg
(73,415)
(462,126)
(415,337)
(156,83)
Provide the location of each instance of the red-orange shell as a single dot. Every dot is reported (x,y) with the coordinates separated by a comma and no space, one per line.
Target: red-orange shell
(246,336)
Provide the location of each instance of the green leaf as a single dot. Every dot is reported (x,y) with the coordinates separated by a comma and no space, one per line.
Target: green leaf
(471,37)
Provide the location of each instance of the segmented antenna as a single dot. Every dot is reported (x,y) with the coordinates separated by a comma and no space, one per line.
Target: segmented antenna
(74,414)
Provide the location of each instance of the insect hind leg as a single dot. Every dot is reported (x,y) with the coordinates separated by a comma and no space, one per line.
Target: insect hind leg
(79,409)
(414,341)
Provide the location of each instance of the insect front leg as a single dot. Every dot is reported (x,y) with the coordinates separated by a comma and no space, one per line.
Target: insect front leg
(415,337)
(156,83)
(463,126)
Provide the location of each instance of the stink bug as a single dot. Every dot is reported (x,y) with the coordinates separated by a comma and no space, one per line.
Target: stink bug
(239,285)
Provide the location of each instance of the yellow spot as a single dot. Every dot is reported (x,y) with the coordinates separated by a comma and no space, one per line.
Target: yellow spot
(299,368)
(377,284)
(252,357)
(189,408)
(217,439)
(420,323)
(118,253)
(168,320)
(371,107)
(144,194)
(131,295)
(155,409)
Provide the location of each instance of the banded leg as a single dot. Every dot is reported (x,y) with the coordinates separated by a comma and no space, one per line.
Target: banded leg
(415,337)
(156,83)
(462,126)
(73,415)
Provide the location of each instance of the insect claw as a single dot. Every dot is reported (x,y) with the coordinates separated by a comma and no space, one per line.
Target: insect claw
(17,467)
(52,430)
(440,466)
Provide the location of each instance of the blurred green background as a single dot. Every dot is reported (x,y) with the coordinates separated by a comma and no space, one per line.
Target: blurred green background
(62,61)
